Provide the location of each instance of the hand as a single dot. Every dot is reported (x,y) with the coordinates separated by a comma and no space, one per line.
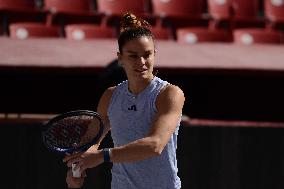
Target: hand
(89,159)
(73,182)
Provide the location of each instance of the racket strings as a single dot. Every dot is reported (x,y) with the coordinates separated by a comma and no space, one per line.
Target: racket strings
(92,130)
(74,131)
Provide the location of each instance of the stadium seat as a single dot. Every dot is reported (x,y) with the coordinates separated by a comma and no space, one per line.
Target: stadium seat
(236,13)
(252,36)
(80,6)
(12,11)
(162,33)
(32,30)
(274,12)
(87,31)
(141,8)
(184,8)
(114,9)
(220,9)
(180,13)
(197,35)
(71,11)
(119,7)
(17,4)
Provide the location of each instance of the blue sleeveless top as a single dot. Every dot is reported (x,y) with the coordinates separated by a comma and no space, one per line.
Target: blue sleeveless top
(131,118)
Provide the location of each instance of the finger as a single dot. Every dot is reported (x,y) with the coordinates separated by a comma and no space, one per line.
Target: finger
(79,166)
(68,157)
(82,167)
(76,160)
(79,181)
(75,182)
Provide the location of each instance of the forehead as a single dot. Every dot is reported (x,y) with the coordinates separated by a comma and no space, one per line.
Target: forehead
(140,44)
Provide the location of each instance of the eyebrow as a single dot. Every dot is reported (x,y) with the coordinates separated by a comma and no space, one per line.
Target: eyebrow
(133,52)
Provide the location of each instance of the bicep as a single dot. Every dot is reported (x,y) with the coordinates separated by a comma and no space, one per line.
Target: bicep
(102,109)
(169,105)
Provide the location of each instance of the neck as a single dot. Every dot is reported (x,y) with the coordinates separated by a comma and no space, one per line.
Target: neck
(137,86)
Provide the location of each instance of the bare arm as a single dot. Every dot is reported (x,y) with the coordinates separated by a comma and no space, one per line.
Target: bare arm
(169,104)
(102,110)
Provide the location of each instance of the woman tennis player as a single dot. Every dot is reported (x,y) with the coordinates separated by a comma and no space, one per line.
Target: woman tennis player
(143,114)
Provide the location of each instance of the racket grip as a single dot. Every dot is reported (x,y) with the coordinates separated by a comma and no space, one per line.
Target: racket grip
(76,173)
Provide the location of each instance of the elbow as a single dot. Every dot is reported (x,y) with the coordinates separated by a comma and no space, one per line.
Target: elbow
(156,147)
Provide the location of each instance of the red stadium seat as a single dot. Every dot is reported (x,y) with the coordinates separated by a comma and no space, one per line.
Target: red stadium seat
(186,17)
(119,7)
(71,11)
(17,4)
(87,31)
(237,13)
(19,11)
(184,8)
(274,11)
(180,13)
(162,33)
(114,9)
(252,36)
(80,6)
(32,30)
(220,9)
(197,35)
(244,9)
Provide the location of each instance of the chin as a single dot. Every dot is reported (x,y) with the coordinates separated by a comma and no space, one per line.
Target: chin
(146,76)
(140,76)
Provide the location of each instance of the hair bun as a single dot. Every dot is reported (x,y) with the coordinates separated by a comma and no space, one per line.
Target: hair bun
(129,21)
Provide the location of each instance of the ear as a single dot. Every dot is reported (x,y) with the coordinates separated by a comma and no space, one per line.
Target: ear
(119,58)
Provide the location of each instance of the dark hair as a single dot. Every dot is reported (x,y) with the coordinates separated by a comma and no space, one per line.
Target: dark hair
(132,27)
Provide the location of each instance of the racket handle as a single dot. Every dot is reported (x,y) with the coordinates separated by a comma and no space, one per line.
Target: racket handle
(77,172)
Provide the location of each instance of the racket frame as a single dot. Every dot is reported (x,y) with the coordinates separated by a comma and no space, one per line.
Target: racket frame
(72,149)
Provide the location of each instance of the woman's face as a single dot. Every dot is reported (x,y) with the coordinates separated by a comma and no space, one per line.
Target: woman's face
(137,58)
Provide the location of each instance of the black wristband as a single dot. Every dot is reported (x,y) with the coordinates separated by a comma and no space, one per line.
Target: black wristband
(106,155)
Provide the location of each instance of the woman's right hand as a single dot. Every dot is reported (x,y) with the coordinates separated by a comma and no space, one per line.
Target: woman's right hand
(73,182)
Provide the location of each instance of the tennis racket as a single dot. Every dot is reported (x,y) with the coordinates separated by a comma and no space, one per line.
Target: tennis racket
(74,131)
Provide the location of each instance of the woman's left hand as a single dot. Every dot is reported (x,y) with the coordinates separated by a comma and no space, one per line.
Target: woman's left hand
(89,159)
(73,182)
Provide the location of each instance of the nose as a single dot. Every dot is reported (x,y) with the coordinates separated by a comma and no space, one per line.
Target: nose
(141,60)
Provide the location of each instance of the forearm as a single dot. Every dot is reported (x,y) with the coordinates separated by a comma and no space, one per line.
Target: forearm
(138,150)
(97,145)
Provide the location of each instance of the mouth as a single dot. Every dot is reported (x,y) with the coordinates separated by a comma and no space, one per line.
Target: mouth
(140,70)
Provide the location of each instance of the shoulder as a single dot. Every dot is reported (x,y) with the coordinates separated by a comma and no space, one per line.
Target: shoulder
(170,95)
(108,93)
(110,90)
(105,100)
(171,91)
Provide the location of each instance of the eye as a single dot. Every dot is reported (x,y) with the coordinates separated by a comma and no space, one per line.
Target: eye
(147,55)
(133,56)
